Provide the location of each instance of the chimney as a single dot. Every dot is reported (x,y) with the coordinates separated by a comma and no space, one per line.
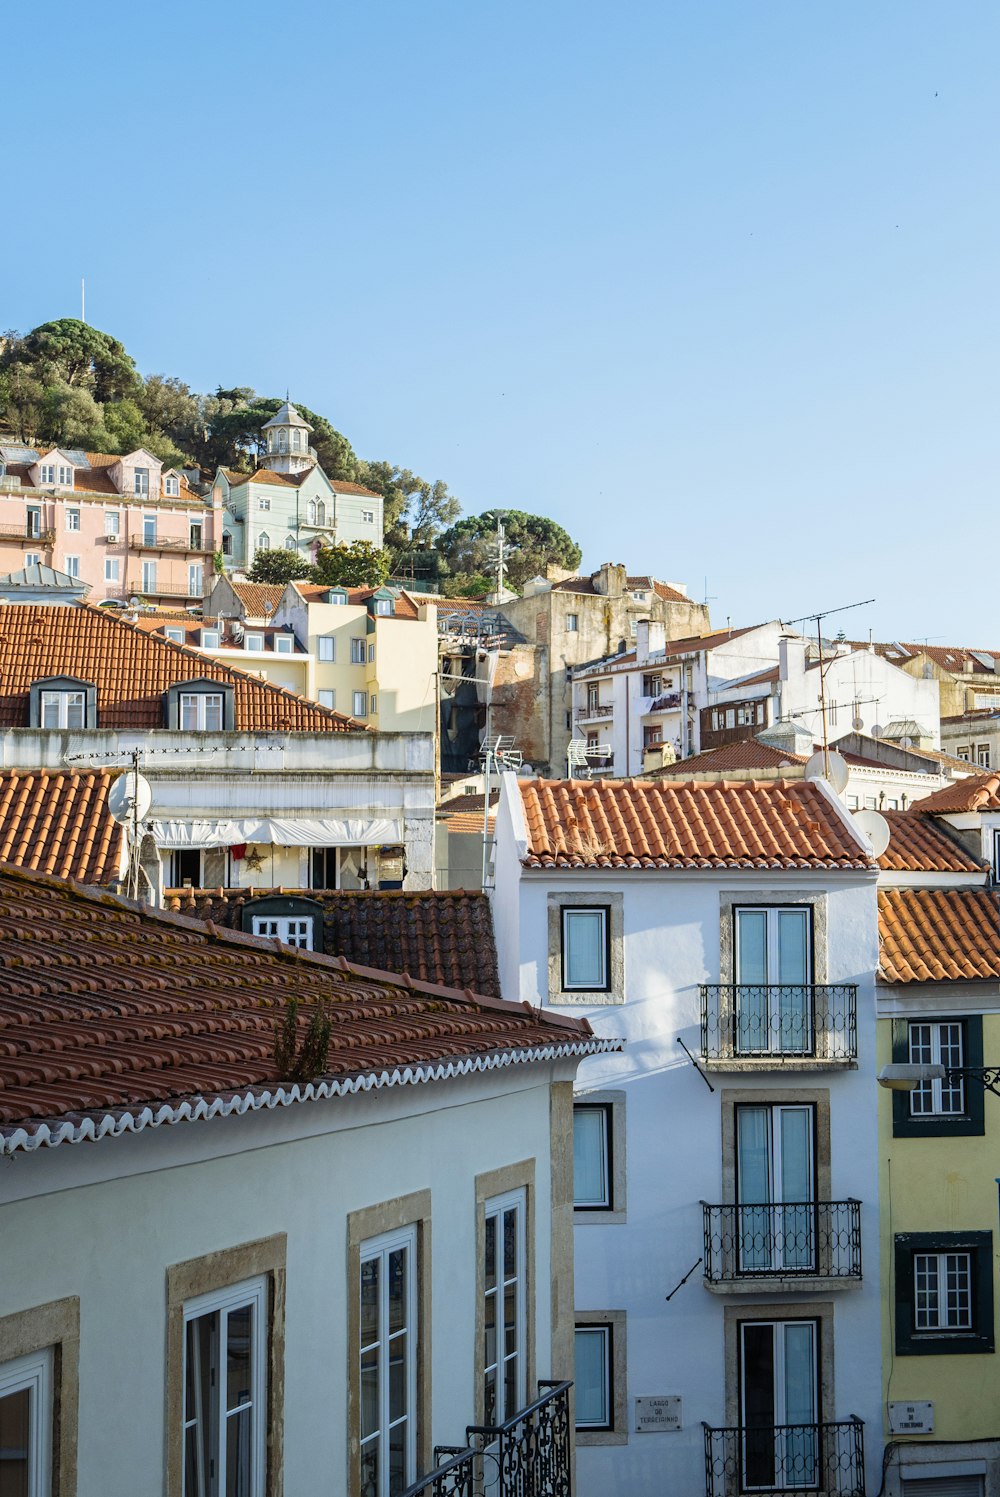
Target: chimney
(650,640)
(611,580)
(791,657)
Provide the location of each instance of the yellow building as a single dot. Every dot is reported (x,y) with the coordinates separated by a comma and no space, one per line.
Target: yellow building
(939,1147)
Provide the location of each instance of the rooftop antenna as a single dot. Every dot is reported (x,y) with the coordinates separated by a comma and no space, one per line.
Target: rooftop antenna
(83,299)
(816,618)
(709,597)
(498,554)
(499,753)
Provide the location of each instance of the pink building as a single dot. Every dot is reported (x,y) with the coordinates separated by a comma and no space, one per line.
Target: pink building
(120,523)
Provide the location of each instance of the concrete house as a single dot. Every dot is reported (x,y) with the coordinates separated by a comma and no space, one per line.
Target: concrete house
(322,1276)
(726,1172)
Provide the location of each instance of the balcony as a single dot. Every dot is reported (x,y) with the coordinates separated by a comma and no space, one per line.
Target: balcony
(777,1027)
(138,543)
(527,1456)
(27,537)
(170,590)
(600,713)
(792,1241)
(768,1460)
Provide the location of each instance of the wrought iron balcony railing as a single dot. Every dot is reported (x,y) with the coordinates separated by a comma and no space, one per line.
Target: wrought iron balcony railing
(779,1021)
(827,1459)
(818,1239)
(526,1456)
(27,535)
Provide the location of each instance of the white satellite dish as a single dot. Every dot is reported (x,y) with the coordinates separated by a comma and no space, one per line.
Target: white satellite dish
(130,798)
(906,741)
(877,730)
(875,828)
(133,602)
(268,606)
(830,766)
(857,723)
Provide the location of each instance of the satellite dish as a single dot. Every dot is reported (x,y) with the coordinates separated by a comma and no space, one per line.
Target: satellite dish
(130,798)
(831,767)
(268,606)
(857,723)
(877,730)
(133,602)
(875,828)
(237,630)
(906,741)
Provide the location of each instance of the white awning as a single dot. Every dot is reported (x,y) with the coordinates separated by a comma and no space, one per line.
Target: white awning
(282,832)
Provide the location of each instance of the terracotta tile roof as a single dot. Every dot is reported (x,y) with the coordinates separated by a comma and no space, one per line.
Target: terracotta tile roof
(57,821)
(254,596)
(114,1018)
(938,935)
(463,814)
(688,646)
(919,845)
(234,477)
(264,475)
(699,824)
(761,677)
(978,792)
(132,670)
(436,935)
(316,592)
(95,480)
(340,486)
(748,754)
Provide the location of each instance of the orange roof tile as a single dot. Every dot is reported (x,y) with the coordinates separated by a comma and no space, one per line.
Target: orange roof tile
(255,595)
(57,821)
(699,824)
(938,935)
(748,754)
(978,792)
(919,845)
(341,486)
(132,670)
(114,1017)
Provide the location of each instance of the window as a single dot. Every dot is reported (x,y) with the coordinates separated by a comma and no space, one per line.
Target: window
(388,1363)
(320,512)
(227,543)
(936,1109)
(593,698)
(263,541)
(225,1393)
(293,930)
(779,1404)
(177,635)
(944,1293)
(592,1375)
(201,711)
(284,644)
(72,565)
(384,607)
(32,559)
(282,441)
(652,736)
(773,971)
(253,642)
(264,502)
(983,755)
(48,473)
(210,639)
(504,1307)
(372,705)
(775,1188)
(149,530)
(66,477)
(26,1425)
(296,440)
(195,579)
(324,867)
(149,576)
(328,699)
(34,522)
(327,647)
(871,802)
(585,949)
(640,597)
(112,523)
(996,855)
(337,597)
(368,517)
(72,519)
(360,708)
(572,623)
(172,486)
(185,867)
(289,543)
(652,686)
(194,537)
(593,1188)
(141,481)
(359,652)
(63,709)
(112,567)
(964,753)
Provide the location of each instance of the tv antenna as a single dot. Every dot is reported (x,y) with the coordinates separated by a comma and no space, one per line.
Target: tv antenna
(497,754)
(497,552)
(129,801)
(817,618)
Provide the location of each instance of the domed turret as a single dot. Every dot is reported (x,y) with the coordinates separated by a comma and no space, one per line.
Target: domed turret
(288,448)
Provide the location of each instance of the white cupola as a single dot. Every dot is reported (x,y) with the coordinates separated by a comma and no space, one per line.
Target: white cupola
(288,449)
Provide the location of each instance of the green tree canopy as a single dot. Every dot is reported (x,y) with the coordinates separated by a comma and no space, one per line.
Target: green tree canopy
(360,565)
(77,355)
(533,543)
(415,510)
(235,436)
(279,566)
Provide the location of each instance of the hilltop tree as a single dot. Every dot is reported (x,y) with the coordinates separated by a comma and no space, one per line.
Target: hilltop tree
(235,436)
(75,354)
(279,566)
(415,510)
(534,542)
(360,565)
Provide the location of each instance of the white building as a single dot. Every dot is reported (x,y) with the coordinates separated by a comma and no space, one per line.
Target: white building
(727,1242)
(280,1285)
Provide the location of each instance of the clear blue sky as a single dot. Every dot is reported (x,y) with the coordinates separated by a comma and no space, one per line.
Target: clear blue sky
(711,282)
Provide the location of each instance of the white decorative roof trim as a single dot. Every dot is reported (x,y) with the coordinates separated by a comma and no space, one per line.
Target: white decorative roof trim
(114,1124)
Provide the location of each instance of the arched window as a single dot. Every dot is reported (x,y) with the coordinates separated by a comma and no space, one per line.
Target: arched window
(296,439)
(320,512)
(289,543)
(282,439)
(263,541)
(311,511)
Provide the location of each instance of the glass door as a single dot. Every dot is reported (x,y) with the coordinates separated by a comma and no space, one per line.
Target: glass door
(773,962)
(775,1189)
(779,1396)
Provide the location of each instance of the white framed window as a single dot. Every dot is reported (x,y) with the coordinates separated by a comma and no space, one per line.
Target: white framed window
(263,541)
(112,569)
(264,502)
(384,607)
(328,699)
(372,705)
(983,755)
(210,639)
(592,1164)
(149,576)
(773,971)
(26,1425)
(640,597)
(177,635)
(594,1362)
(942,1291)
(195,579)
(72,519)
(585,963)
(66,477)
(294,930)
(327,647)
(253,642)
(64,709)
(225,1391)
(337,597)
(360,704)
(141,481)
(311,512)
(112,523)
(172,487)
(227,543)
(572,623)
(779,1404)
(505,1296)
(964,753)
(149,530)
(72,565)
(34,522)
(359,651)
(48,472)
(775,1186)
(296,439)
(201,711)
(284,644)
(388,1362)
(289,543)
(32,559)
(368,517)
(937,1044)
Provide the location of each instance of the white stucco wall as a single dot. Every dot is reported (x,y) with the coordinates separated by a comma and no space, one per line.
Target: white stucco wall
(202,1187)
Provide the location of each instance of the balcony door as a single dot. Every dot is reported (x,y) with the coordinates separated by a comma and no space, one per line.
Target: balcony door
(779,1395)
(776,1191)
(773,966)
